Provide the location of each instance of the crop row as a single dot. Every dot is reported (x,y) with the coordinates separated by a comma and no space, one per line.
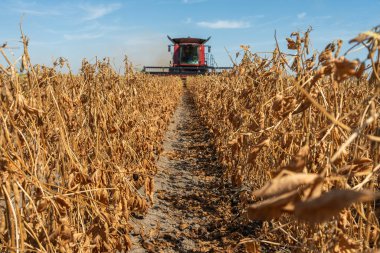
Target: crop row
(298,134)
(77,154)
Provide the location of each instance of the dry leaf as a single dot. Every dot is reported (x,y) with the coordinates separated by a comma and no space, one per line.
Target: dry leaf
(273,207)
(330,204)
(283,184)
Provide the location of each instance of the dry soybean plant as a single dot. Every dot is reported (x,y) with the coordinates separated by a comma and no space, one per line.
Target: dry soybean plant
(77,153)
(299,135)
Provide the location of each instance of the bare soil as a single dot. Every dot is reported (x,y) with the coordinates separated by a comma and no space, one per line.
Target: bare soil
(194,210)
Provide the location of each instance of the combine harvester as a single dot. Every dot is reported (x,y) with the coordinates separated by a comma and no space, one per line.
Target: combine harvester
(189,58)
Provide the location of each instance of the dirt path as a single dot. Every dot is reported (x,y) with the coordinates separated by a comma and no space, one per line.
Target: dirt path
(190,213)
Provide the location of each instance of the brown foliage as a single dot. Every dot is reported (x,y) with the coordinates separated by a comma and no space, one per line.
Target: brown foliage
(321,115)
(74,150)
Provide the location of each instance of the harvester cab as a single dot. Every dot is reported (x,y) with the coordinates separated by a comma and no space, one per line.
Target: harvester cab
(189,57)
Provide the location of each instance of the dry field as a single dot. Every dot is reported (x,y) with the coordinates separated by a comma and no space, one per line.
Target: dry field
(298,134)
(74,150)
(296,139)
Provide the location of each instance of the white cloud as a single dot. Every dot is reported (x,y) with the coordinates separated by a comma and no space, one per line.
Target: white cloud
(192,1)
(83,36)
(39,12)
(224,24)
(92,30)
(301,15)
(98,11)
(323,17)
(31,8)
(46,42)
(188,21)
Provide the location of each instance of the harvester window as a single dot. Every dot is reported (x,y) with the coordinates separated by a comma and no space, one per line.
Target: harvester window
(189,54)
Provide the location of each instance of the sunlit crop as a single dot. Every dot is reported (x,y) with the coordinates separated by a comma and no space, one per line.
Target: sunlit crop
(74,151)
(298,133)
(297,136)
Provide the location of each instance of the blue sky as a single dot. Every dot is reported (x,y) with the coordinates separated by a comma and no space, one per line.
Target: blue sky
(138,28)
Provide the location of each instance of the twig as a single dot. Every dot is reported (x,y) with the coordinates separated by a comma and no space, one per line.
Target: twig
(9,201)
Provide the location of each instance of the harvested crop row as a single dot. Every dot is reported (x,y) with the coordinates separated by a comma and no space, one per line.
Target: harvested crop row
(74,152)
(299,136)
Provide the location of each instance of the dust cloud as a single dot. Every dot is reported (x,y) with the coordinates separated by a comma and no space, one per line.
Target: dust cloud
(148,51)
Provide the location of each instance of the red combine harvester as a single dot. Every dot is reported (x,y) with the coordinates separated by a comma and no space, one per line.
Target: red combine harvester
(189,58)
